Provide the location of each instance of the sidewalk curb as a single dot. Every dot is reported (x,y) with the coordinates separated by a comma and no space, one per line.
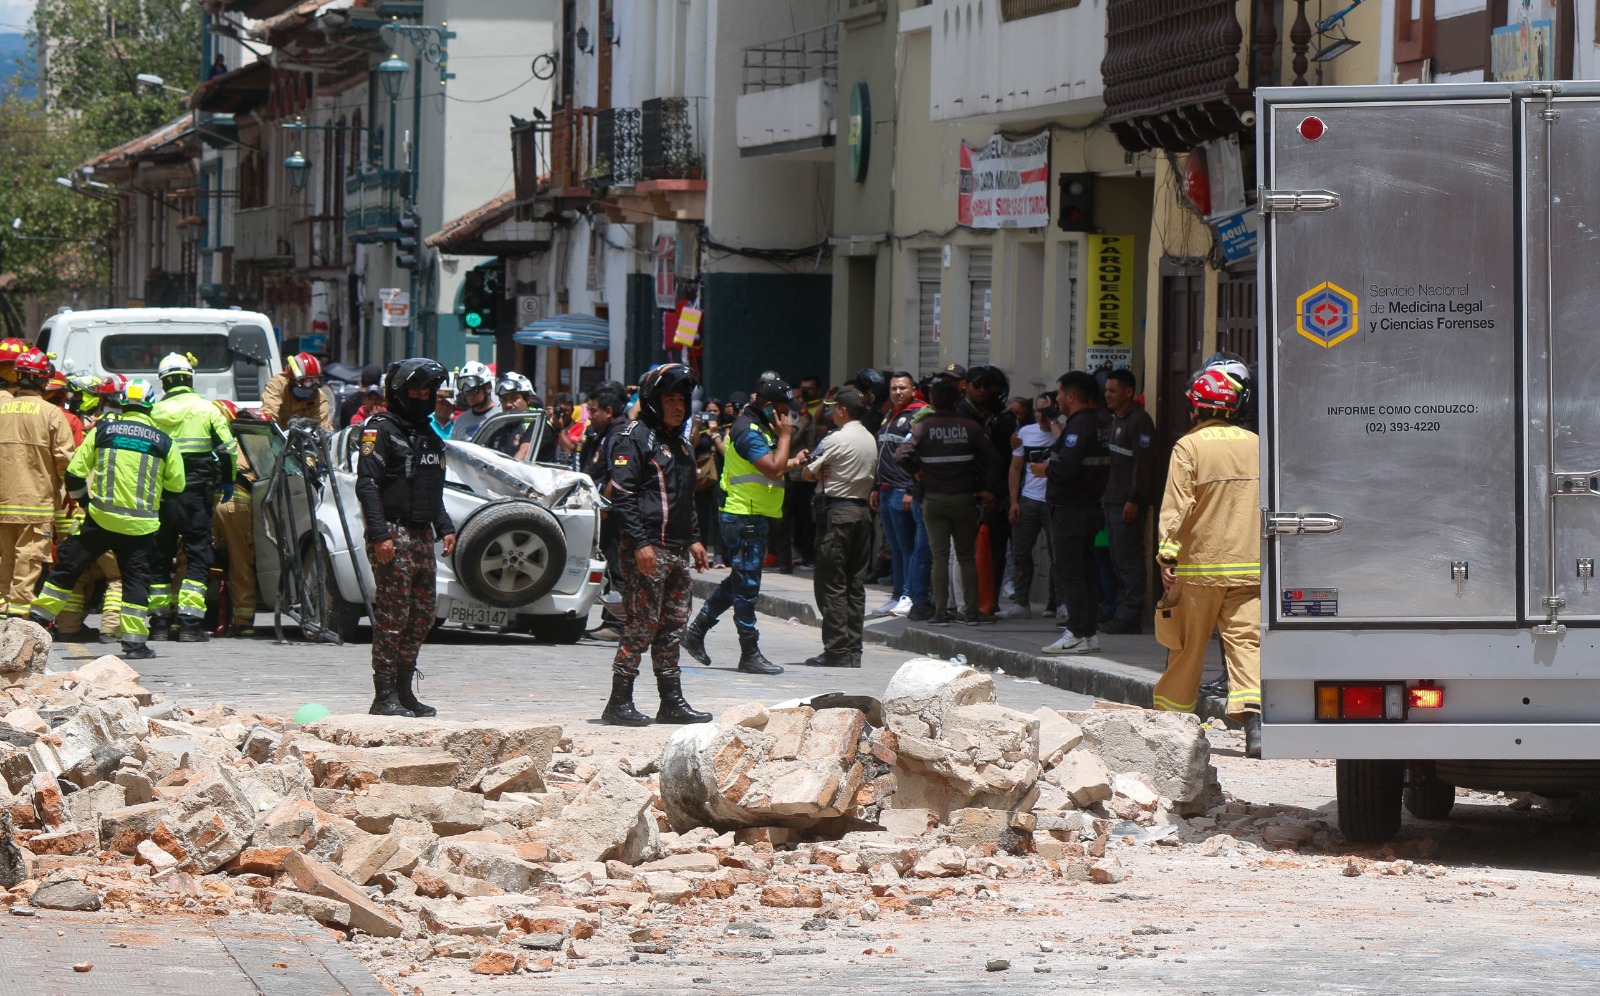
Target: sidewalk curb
(1098,676)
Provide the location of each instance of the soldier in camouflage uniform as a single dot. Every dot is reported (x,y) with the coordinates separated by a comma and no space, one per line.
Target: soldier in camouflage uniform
(652,485)
(400,483)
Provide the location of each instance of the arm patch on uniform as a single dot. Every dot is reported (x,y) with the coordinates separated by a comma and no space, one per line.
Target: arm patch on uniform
(621,460)
(369,440)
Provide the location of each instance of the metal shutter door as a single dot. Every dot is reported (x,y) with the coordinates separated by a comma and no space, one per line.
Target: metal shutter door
(980,268)
(927,289)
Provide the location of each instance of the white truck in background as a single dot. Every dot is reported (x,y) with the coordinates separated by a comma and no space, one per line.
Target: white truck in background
(1430,458)
(236,352)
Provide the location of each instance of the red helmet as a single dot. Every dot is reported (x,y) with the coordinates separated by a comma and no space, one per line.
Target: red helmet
(303,365)
(1214,391)
(34,363)
(109,390)
(56,386)
(10,349)
(228,408)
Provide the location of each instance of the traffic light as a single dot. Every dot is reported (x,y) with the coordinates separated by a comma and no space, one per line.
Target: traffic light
(1077,202)
(481,292)
(407,242)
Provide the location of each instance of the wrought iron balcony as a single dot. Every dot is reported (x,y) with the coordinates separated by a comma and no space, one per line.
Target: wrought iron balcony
(671,140)
(262,236)
(617,134)
(372,201)
(799,58)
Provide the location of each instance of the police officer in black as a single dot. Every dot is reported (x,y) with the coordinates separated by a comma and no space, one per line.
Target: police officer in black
(400,484)
(652,498)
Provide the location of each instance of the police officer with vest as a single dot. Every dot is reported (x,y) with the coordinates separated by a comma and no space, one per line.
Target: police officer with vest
(205,442)
(400,484)
(123,471)
(753,470)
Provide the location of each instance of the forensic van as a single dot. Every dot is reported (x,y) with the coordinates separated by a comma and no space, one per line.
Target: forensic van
(236,352)
(1430,446)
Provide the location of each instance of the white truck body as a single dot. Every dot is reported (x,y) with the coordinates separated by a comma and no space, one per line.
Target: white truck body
(236,352)
(1430,431)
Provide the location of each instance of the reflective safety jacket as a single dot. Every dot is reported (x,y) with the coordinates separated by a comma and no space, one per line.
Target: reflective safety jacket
(123,467)
(35,446)
(201,434)
(748,490)
(1211,512)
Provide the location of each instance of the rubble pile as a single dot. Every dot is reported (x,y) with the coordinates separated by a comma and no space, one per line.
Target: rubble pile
(507,844)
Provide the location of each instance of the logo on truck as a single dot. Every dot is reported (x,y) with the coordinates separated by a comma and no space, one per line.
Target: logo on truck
(1327,314)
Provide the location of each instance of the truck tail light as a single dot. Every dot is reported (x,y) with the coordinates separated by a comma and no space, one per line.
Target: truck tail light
(1425,696)
(595,577)
(1361,701)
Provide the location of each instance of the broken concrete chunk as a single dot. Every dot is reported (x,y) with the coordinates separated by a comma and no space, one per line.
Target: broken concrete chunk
(1057,736)
(599,822)
(520,774)
(1168,748)
(449,811)
(208,824)
(477,746)
(66,894)
(24,646)
(1083,777)
(317,879)
(359,767)
(751,714)
(497,864)
(122,830)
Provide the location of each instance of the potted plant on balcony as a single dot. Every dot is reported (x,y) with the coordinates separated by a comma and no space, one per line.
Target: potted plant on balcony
(685,164)
(598,176)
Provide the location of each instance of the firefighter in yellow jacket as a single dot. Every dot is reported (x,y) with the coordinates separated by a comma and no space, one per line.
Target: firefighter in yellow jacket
(298,393)
(35,446)
(1210,556)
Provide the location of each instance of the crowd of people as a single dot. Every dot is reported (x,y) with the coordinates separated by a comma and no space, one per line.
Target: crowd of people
(943,486)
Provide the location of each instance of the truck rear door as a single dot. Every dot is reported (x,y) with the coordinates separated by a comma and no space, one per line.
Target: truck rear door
(1392,347)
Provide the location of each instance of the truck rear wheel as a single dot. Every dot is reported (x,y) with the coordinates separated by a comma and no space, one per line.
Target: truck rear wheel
(1428,797)
(1369,799)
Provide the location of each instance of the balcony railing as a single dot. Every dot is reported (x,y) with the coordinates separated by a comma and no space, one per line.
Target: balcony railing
(372,202)
(799,58)
(319,243)
(671,139)
(617,139)
(263,236)
(572,144)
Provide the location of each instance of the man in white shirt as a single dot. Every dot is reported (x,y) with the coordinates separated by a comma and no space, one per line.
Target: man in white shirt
(1029,514)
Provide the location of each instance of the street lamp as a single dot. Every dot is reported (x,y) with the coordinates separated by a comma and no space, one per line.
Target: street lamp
(151,79)
(392,71)
(299,170)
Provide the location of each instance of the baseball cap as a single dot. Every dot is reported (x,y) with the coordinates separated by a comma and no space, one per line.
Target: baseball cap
(777,392)
(955,371)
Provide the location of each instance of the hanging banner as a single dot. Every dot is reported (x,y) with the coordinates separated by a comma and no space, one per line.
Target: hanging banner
(1005,184)
(1110,302)
(688,330)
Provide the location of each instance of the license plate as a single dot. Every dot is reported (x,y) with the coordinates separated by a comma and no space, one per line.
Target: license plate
(478,614)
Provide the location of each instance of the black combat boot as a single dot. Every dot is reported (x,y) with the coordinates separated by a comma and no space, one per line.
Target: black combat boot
(193,631)
(1252,735)
(694,639)
(619,708)
(751,660)
(674,708)
(1217,688)
(159,626)
(136,651)
(408,698)
(386,697)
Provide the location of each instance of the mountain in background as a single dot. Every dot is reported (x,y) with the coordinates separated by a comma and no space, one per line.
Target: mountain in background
(12,48)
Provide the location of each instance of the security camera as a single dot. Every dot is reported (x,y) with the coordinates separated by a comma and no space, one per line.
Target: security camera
(1247,118)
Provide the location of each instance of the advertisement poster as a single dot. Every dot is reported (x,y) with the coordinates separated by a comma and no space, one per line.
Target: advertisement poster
(1110,341)
(1522,51)
(396,306)
(1005,184)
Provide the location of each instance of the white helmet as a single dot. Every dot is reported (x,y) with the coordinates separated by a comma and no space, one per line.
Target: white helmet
(175,365)
(472,376)
(514,382)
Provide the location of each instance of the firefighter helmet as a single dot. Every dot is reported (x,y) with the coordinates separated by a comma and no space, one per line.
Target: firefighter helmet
(301,366)
(176,367)
(228,408)
(34,364)
(1215,393)
(139,393)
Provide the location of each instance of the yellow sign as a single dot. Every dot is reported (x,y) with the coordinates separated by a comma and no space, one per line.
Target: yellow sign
(1110,340)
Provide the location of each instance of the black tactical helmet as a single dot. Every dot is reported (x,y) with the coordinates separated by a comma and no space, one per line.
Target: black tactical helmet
(987,373)
(407,375)
(669,378)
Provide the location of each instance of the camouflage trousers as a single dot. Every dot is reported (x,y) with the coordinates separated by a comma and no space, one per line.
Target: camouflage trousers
(658,610)
(404,601)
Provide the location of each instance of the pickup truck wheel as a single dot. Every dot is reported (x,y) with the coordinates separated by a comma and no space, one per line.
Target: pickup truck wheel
(1369,799)
(510,552)
(1428,797)
(326,609)
(559,629)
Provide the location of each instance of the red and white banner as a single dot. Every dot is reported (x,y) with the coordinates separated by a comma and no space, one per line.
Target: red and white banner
(1005,184)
